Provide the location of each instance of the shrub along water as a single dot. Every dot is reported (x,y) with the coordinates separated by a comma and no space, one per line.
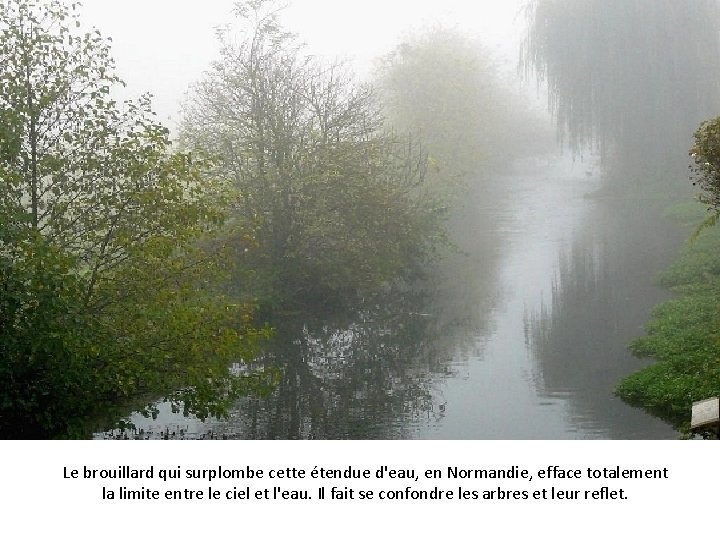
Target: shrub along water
(683,334)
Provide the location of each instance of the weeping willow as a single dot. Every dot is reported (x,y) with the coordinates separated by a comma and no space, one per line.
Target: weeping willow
(630,79)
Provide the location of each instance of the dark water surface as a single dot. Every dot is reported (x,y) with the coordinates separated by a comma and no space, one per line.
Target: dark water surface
(521,336)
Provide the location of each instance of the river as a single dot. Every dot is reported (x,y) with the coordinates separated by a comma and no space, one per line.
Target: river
(523,334)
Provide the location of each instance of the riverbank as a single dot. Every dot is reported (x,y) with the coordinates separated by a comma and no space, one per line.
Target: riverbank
(523,333)
(683,334)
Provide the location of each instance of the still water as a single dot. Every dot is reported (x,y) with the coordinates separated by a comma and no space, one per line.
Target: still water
(521,335)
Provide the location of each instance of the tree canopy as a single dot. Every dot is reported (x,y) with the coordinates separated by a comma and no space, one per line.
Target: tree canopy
(107,279)
(334,195)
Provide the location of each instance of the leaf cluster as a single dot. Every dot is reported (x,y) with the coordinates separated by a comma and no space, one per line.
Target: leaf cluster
(110,240)
(705,167)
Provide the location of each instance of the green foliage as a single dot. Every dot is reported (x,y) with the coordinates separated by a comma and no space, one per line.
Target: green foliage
(108,272)
(705,168)
(683,336)
(46,344)
(335,199)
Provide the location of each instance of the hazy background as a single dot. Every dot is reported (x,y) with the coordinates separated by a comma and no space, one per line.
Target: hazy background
(163,46)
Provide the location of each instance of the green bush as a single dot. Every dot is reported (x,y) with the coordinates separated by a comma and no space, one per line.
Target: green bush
(683,335)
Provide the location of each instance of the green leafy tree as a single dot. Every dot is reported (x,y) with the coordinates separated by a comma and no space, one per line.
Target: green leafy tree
(107,273)
(335,197)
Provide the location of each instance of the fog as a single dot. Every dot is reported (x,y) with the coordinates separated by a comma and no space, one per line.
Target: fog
(164,46)
(366,220)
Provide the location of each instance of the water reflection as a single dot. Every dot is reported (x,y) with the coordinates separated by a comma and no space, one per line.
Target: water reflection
(365,378)
(368,373)
(601,296)
(521,334)
(577,280)
(375,371)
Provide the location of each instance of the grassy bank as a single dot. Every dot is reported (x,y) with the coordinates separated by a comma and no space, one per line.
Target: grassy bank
(683,335)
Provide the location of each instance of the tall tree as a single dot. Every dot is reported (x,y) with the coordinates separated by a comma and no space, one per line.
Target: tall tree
(443,88)
(629,78)
(106,292)
(334,195)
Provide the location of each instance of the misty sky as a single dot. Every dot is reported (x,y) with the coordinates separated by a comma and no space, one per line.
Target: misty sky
(162,46)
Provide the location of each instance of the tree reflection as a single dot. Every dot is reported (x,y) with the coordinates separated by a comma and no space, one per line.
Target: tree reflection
(602,295)
(372,371)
